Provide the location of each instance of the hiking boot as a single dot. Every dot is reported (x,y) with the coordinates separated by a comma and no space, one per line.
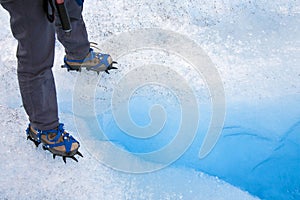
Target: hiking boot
(57,141)
(94,61)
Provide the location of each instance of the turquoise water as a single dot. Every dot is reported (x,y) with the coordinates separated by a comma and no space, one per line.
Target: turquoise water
(258,151)
(255,47)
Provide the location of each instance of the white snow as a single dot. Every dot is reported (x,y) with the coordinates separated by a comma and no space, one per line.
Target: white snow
(254,45)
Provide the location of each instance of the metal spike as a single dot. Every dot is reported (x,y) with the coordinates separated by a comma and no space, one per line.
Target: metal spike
(74,158)
(36,143)
(94,43)
(111,66)
(79,154)
(54,155)
(64,159)
(107,71)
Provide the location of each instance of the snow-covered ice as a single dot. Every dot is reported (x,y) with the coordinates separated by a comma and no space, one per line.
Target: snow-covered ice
(255,46)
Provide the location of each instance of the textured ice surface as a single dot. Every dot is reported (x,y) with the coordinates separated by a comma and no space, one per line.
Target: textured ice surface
(255,46)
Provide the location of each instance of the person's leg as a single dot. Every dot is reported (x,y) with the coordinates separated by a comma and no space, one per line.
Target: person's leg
(76,43)
(78,52)
(35,53)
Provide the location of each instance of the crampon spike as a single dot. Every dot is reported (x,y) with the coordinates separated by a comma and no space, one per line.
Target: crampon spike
(54,155)
(74,158)
(35,142)
(111,67)
(78,153)
(94,45)
(64,159)
(45,148)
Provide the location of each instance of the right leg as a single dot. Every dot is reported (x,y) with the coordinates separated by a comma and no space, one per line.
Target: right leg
(36,37)
(76,43)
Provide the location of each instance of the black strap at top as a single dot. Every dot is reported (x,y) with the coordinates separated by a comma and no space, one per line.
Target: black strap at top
(49,9)
(61,11)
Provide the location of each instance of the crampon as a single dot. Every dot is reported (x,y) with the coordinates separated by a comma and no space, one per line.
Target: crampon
(94,61)
(57,141)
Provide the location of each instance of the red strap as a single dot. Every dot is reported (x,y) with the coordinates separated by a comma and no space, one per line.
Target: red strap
(59,1)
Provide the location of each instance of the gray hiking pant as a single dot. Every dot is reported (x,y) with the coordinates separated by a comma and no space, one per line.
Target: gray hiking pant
(35,54)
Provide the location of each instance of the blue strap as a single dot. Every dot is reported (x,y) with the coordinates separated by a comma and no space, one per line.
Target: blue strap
(102,61)
(68,140)
(91,57)
(69,60)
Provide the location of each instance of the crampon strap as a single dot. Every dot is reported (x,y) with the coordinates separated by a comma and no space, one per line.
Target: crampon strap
(92,55)
(68,140)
